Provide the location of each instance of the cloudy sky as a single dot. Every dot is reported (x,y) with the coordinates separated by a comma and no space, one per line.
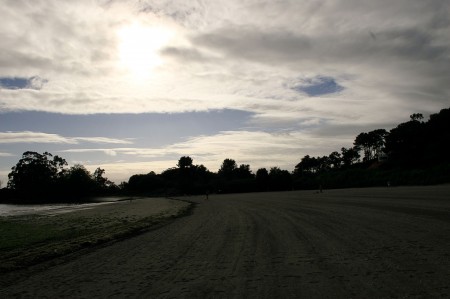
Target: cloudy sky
(131,86)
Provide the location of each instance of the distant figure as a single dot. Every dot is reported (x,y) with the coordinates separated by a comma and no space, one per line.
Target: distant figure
(320,188)
(388,183)
(207,195)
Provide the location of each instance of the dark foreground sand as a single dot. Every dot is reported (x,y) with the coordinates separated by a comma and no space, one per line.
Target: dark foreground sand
(354,243)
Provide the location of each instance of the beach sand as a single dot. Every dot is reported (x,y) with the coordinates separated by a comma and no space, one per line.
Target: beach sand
(351,243)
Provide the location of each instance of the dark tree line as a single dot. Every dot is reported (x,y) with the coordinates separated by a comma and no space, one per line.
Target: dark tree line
(44,177)
(188,178)
(414,152)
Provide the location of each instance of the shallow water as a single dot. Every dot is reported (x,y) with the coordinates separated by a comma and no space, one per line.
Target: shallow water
(52,209)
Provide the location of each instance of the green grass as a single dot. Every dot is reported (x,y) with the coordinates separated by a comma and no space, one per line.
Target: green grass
(16,234)
(27,240)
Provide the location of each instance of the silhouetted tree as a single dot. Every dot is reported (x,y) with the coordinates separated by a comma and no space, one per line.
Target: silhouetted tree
(349,156)
(185,162)
(262,179)
(227,169)
(243,172)
(102,182)
(438,137)
(98,176)
(405,144)
(78,181)
(170,174)
(145,183)
(279,179)
(202,178)
(416,116)
(335,160)
(185,174)
(371,143)
(323,163)
(307,165)
(36,173)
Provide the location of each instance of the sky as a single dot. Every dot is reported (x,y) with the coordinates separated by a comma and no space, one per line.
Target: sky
(131,86)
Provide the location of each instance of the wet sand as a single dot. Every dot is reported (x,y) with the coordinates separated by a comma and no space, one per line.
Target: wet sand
(353,243)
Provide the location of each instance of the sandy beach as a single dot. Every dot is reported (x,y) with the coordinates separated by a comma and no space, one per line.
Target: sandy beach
(352,243)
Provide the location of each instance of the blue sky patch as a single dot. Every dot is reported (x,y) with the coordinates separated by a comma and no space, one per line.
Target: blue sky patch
(319,86)
(34,82)
(153,129)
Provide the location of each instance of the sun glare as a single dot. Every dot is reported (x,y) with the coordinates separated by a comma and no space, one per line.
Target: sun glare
(139,48)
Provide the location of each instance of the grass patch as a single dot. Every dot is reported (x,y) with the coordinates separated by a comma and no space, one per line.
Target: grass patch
(27,240)
(23,233)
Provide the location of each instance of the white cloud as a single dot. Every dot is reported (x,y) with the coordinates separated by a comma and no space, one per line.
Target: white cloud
(3,154)
(39,137)
(259,149)
(32,137)
(101,140)
(390,57)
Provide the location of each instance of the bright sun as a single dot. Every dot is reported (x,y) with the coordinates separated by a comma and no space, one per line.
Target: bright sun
(139,48)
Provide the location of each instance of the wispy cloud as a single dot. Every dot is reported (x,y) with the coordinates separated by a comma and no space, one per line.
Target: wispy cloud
(235,54)
(318,71)
(101,140)
(39,137)
(3,154)
(259,149)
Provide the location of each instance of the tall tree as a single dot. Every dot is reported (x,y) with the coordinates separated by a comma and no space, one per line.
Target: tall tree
(227,169)
(185,162)
(80,181)
(438,137)
(243,172)
(349,156)
(335,160)
(36,173)
(185,174)
(416,117)
(101,180)
(406,143)
(323,163)
(307,165)
(262,179)
(279,179)
(371,143)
